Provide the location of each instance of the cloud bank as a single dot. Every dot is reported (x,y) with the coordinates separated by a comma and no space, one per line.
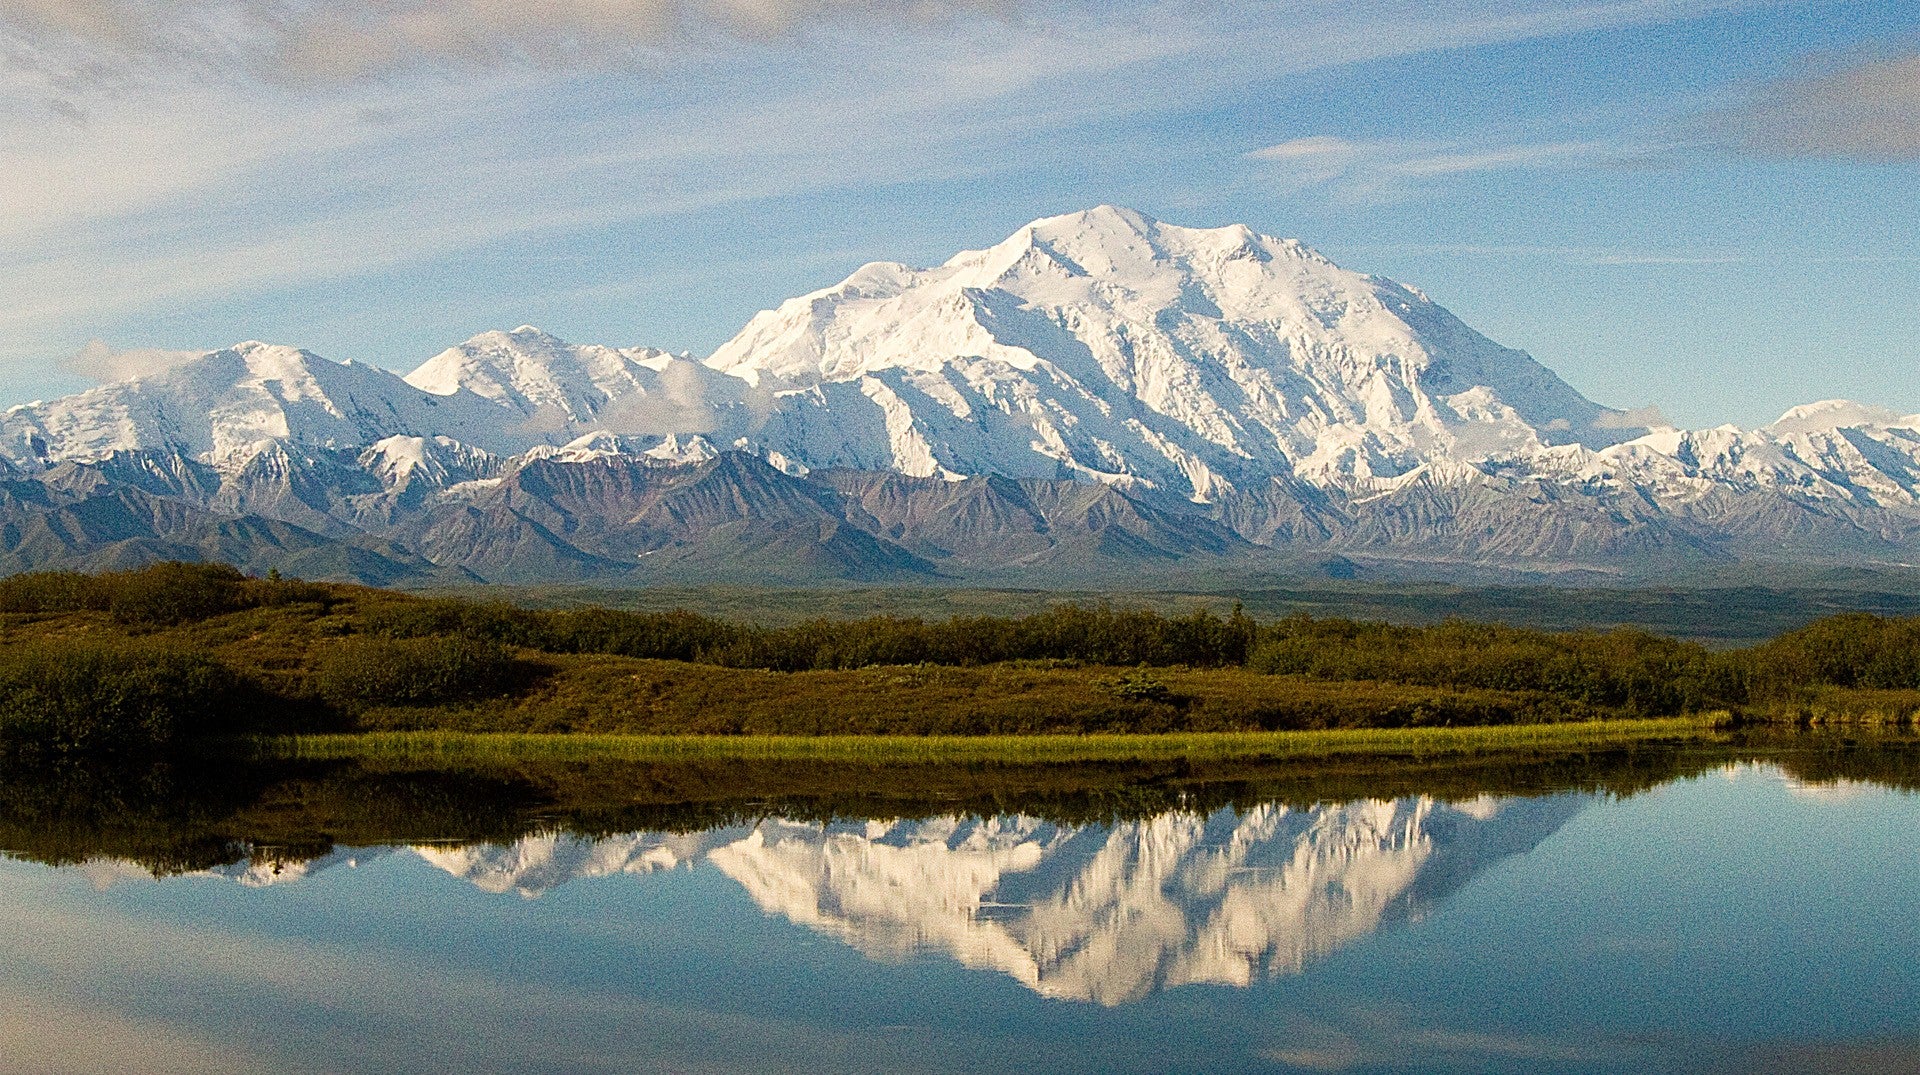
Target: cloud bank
(1867,110)
(349,38)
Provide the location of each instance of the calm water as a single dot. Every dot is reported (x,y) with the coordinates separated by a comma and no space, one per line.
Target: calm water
(1736,917)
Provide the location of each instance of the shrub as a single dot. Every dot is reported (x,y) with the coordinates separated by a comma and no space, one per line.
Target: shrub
(1623,669)
(160,595)
(173,593)
(364,672)
(1095,636)
(52,591)
(1136,685)
(68,696)
(1856,650)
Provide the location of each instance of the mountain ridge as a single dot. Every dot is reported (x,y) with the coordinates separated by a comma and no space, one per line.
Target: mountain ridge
(1098,389)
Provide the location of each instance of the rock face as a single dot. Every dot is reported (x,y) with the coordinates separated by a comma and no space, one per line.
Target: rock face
(1100,913)
(1099,392)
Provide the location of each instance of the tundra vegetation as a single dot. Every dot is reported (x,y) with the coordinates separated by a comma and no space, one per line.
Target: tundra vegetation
(138,661)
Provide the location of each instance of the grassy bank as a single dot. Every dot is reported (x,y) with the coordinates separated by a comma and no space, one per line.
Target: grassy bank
(459,748)
(1842,706)
(206,808)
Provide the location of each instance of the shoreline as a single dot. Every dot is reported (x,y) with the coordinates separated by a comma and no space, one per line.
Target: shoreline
(456,747)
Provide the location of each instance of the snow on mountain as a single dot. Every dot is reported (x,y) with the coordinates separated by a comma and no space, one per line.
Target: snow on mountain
(1836,451)
(224,407)
(532,866)
(671,448)
(267,873)
(402,461)
(553,390)
(1108,345)
(1290,400)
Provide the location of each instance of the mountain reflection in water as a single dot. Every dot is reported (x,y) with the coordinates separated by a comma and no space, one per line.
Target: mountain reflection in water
(1739,905)
(1108,913)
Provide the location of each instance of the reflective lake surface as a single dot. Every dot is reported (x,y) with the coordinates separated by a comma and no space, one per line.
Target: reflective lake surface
(1731,910)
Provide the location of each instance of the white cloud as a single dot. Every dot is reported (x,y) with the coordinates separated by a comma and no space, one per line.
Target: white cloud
(1315,147)
(1507,158)
(207,168)
(77,39)
(1668,259)
(99,362)
(1648,417)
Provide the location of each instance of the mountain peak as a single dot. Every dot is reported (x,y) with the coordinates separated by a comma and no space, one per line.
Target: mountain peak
(1108,345)
(1834,414)
(1102,219)
(553,390)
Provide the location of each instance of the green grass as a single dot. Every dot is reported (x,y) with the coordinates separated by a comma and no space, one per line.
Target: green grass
(467,748)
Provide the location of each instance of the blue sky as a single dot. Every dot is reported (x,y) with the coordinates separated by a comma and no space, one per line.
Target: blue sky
(1707,206)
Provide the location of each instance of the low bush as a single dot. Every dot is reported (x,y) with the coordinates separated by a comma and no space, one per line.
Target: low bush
(160,595)
(83,696)
(1109,636)
(1136,685)
(1624,670)
(367,672)
(53,591)
(173,593)
(1855,651)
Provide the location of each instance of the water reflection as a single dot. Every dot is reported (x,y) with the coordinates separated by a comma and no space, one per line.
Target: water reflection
(1652,910)
(1104,913)
(1113,913)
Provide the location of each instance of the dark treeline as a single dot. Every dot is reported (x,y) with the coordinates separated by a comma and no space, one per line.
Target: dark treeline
(1625,669)
(144,678)
(161,595)
(1104,636)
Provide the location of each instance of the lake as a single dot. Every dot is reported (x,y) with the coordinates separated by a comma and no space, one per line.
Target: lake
(1733,908)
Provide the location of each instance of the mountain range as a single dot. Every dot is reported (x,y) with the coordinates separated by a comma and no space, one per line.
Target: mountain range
(1100,395)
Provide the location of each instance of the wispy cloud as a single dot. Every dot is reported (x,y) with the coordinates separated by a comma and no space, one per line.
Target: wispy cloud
(353,38)
(1647,417)
(161,154)
(1607,256)
(1385,1034)
(1375,169)
(1318,147)
(1866,109)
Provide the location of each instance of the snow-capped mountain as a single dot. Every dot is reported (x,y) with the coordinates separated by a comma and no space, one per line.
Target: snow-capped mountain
(1098,388)
(557,390)
(1107,345)
(1101,913)
(228,406)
